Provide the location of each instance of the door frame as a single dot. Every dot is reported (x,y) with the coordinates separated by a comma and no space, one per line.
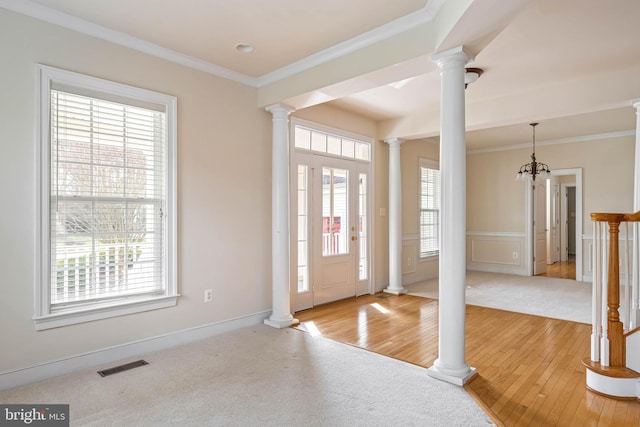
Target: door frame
(296,155)
(539,266)
(579,215)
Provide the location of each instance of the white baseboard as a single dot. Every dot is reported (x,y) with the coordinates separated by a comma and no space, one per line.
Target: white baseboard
(136,348)
(489,268)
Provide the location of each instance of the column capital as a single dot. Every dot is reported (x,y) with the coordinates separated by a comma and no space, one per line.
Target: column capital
(392,141)
(276,109)
(455,55)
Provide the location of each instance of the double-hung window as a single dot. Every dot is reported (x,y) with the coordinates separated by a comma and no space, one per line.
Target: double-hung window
(429,208)
(107,199)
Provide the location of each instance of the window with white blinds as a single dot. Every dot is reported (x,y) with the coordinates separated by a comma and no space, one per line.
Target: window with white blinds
(429,208)
(108,198)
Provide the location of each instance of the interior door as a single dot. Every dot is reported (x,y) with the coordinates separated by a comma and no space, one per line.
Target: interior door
(539,227)
(335,230)
(555,223)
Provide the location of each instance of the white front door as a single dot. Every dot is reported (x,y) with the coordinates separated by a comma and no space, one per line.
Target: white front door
(332,221)
(335,230)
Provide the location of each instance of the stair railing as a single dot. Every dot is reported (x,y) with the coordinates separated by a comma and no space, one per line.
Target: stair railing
(609,298)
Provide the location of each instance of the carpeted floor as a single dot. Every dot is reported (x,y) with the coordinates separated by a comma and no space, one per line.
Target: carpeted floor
(542,296)
(259,376)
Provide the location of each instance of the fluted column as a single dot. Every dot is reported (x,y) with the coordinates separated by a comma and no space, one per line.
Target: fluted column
(281,316)
(451,365)
(395,218)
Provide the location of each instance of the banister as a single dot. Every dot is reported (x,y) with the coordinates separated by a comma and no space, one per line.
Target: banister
(617,350)
(616,217)
(608,217)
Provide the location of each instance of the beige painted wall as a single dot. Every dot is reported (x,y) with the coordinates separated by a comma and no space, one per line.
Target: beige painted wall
(413,269)
(224,202)
(496,201)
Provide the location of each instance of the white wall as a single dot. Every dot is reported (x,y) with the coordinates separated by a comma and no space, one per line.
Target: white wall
(224,197)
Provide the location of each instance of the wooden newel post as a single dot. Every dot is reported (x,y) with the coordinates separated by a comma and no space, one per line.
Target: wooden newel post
(616,330)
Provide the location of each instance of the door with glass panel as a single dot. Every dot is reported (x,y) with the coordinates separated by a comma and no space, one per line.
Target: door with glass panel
(330,222)
(335,231)
(332,238)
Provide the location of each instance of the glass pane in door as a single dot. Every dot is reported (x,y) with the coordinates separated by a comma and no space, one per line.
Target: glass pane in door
(362,230)
(303,235)
(335,208)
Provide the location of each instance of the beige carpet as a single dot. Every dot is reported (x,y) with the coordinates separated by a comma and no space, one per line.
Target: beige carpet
(259,376)
(542,296)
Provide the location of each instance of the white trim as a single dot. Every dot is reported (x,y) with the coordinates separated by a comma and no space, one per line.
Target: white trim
(426,163)
(583,138)
(43,317)
(496,233)
(331,130)
(397,26)
(103,356)
(106,311)
(612,386)
(296,156)
(388,30)
(52,16)
(579,226)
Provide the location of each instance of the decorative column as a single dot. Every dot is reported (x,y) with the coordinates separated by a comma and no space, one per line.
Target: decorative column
(281,316)
(635,273)
(636,180)
(395,218)
(451,365)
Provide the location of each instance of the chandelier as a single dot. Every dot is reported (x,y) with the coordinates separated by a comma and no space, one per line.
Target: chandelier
(529,171)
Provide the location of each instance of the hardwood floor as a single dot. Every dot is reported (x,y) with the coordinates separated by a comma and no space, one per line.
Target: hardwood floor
(529,367)
(561,270)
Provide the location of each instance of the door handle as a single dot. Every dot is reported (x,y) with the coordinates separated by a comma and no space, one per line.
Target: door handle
(353,238)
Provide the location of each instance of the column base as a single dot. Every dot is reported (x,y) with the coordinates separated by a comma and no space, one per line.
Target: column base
(395,291)
(281,323)
(456,379)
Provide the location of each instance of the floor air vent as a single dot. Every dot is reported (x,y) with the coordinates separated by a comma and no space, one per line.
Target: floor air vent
(383,296)
(122,368)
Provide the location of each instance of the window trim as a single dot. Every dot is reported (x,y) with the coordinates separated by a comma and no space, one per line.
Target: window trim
(43,317)
(429,164)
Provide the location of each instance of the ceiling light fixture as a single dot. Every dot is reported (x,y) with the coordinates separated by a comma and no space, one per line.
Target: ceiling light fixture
(471,75)
(244,47)
(529,171)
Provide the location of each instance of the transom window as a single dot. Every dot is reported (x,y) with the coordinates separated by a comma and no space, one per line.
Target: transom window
(107,155)
(327,143)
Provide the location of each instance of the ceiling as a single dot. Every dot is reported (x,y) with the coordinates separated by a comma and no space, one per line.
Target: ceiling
(570,64)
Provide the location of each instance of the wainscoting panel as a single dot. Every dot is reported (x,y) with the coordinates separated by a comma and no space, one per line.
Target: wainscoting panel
(414,269)
(496,252)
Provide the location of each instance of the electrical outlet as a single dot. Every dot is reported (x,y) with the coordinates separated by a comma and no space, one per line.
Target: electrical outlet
(515,255)
(409,261)
(208,295)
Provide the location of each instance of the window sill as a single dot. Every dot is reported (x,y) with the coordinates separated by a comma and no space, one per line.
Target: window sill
(81,315)
(429,258)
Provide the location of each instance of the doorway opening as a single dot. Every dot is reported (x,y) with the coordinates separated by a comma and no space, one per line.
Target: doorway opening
(561,227)
(562,214)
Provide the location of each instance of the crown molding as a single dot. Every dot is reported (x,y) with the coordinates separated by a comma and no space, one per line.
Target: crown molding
(594,137)
(397,26)
(390,29)
(52,16)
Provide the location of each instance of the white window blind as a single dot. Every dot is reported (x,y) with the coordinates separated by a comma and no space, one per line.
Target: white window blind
(110,185)
(429,208)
